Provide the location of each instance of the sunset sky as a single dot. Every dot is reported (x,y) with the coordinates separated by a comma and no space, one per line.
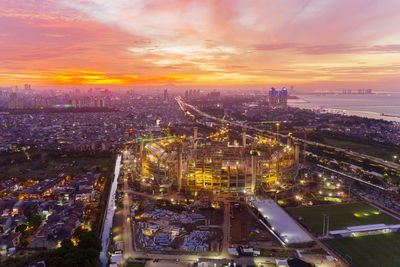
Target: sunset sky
(311,44)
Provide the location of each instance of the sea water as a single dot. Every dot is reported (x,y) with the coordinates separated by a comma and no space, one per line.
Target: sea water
(375,106)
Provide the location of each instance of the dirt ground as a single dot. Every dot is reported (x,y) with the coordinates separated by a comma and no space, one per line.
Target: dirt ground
(245,227)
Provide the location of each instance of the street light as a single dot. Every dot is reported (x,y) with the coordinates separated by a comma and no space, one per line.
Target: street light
(277,132)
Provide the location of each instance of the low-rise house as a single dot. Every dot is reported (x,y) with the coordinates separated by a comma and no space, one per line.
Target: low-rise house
(84,195)
(8,243)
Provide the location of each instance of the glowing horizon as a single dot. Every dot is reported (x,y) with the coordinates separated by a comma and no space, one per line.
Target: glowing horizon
(310,44)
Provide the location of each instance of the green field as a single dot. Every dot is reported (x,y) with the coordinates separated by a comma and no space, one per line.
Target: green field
(379,151)
(374,250)
(340,216)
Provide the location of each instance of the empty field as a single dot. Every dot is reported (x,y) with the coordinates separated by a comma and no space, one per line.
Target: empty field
(245,227)
(374,250)
(340,216)
(40,164)
(375,150)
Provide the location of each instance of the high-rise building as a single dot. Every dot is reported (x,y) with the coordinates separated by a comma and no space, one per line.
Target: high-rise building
(364,91)
(75,103)
(12,104)
(165,95)
(277,99)
(273,97)
(27,87)
(99,103)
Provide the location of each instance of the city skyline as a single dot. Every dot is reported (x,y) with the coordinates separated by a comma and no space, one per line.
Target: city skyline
(205,44)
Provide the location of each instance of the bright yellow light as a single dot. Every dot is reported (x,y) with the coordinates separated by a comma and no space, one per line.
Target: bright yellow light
(75,241)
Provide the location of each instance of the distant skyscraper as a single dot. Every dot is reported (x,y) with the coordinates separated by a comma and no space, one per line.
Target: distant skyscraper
(12,104)
(283,95)
(27,87)
(364,91)
(75,103)
(273,97)
(277,99)
(165,95)
(99,103)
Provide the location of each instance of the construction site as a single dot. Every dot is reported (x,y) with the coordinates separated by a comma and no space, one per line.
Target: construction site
(222,162)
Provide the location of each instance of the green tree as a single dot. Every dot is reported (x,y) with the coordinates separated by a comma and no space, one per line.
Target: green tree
(20,228)
(35,221)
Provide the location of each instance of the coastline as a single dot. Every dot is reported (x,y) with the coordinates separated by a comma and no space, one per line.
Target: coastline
(388,115)
(347,111)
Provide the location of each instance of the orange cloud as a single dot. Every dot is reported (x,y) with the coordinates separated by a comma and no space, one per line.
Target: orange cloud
(200,43)
(83,77)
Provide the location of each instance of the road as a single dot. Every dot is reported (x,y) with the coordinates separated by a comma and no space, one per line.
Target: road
(226,230)
(127,229)
(109,215)
(351,177)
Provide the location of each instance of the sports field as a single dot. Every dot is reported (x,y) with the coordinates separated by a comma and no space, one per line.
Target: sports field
(374,250)
(340,216)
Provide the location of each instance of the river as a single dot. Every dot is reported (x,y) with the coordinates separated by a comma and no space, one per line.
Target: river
(109,215)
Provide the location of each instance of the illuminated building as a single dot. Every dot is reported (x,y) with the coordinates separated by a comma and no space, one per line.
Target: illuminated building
(213,164)
(277,99)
